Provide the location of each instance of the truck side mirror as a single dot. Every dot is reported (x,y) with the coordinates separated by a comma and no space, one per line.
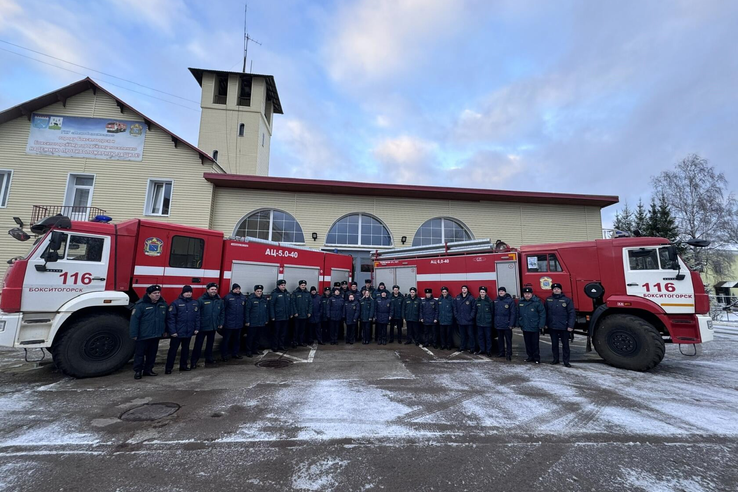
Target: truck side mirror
(673,257)
(56,241)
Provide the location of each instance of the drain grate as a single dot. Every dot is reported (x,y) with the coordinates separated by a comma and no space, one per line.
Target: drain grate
(274,363)
(149,412)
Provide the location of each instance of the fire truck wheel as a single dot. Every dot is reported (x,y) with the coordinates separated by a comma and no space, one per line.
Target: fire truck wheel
(94,345)
(629,342)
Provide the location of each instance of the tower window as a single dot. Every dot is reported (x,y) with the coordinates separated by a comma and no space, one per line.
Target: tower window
(262,139)
(244,96)
(221,89)
(215,155)
(241,129)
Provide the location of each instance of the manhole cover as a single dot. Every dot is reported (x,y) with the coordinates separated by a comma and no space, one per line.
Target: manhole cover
(150,411)
(274,363)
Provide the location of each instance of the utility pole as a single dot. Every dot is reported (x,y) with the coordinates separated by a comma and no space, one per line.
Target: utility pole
(246,38)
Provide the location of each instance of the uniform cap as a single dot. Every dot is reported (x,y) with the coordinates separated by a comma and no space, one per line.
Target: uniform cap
(381,284)
(368,281)
(429,291)
(211,284)
(302,282)
(326,289)
(343,282)
(337,284)
(235,286)
(528,290)
(258,287)
(354,283)
(483,288)
(313,289)
(186,288)
(281,282)
(555,285)
(444,288)
(153,288)
(501,289)
(413,289)
(337,289)
(467,287)
(395,286)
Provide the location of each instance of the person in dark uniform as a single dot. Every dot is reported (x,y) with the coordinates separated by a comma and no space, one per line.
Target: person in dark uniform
(344,289)
(367,315)
(368,286)
(315,331)
(325,319)
(560,321)
(280,311)
(411,313)
(381,288)
(351,312)
(465,312)
(531,319)
(506,318)
(384,315)
(397,300)
(257,317)
(428,318)
(354,289)
(212,317)
(147,326)
(445,320)
(302,306)
(183,321)
(335,313)
(235,317)
(485,319)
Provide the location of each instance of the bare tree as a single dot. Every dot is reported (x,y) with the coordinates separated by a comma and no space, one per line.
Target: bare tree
(703,208)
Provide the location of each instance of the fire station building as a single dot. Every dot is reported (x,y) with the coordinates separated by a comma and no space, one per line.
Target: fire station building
(83,152)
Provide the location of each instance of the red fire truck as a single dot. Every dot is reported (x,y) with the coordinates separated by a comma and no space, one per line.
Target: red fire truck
(72,293)
(631,295)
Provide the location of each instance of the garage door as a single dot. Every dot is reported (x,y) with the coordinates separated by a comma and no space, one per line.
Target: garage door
(247,274)
(293,274)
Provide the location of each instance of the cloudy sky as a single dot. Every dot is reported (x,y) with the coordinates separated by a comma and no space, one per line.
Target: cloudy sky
(565,96)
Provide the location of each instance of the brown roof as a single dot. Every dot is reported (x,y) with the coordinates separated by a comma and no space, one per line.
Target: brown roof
(270,83)
(61,95)
(404,191)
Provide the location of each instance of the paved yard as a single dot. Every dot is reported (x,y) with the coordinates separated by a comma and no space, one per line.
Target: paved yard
(395,417)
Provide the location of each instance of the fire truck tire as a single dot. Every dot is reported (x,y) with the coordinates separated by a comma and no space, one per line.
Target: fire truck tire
(629,342)
(94,345)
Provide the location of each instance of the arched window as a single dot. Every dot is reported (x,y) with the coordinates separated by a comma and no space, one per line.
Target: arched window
(359,230)
(441,230)
(241,129)
(272,225)
(215,155)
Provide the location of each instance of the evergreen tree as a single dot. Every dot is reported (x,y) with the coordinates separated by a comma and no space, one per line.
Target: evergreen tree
(652,229)
(624,219)
(666,224)
(640,219)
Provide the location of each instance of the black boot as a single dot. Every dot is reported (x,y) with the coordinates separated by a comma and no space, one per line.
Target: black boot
(138,375)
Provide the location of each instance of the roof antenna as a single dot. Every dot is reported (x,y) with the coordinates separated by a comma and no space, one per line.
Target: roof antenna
(246,38)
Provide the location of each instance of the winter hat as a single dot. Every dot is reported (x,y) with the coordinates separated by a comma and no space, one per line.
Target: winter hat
(153,288)
(502,289)
(483,288)
(235,286)
(313,289)
(211,284)
(186,288)
(429,291)
(527,290)
(258,287)
(556,285)
(281,282)
(444,288)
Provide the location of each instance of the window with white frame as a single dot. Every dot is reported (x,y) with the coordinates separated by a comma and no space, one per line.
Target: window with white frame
(159,197)
(272,225)
(5,177)
(359,230)
(441,230)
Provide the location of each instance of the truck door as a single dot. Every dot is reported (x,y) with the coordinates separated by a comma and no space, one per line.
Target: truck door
(339,275)
(82,267)
(247,274)
(541,270)
(649,273)
(406,277)
(294,273)
(507,276)
(386,275)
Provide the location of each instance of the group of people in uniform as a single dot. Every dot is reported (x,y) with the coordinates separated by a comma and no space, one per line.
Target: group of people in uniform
(343,312)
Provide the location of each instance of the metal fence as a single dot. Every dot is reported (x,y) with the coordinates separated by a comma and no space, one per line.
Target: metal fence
(72,211)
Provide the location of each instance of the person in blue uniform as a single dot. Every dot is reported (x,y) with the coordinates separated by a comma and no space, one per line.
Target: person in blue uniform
(506,317)
(235,317)
(367,315)
(280,312)
(485,318)
(351,313)
(257,317)
(147,326)
(336,313)
(445,320)
(465,312)
(384,311)
(315,332)
(397,300)
(560,319)
(429,318)
(325,319)
(531,319)
(183,320)
(302,306)
(411,313)
(212,317)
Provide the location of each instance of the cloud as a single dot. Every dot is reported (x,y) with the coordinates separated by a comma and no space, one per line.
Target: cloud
(376,39)
(406,159)
(164,16)
(309,153)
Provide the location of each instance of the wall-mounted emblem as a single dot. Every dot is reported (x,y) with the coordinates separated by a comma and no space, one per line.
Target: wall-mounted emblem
(153,246)
(546,283)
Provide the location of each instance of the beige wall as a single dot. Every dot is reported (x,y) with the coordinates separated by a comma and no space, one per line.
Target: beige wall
(120,186)
(514,223)
(219,127)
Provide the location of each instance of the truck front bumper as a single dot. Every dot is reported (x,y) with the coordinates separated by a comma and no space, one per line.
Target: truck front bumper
(9,326)
(706,331)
